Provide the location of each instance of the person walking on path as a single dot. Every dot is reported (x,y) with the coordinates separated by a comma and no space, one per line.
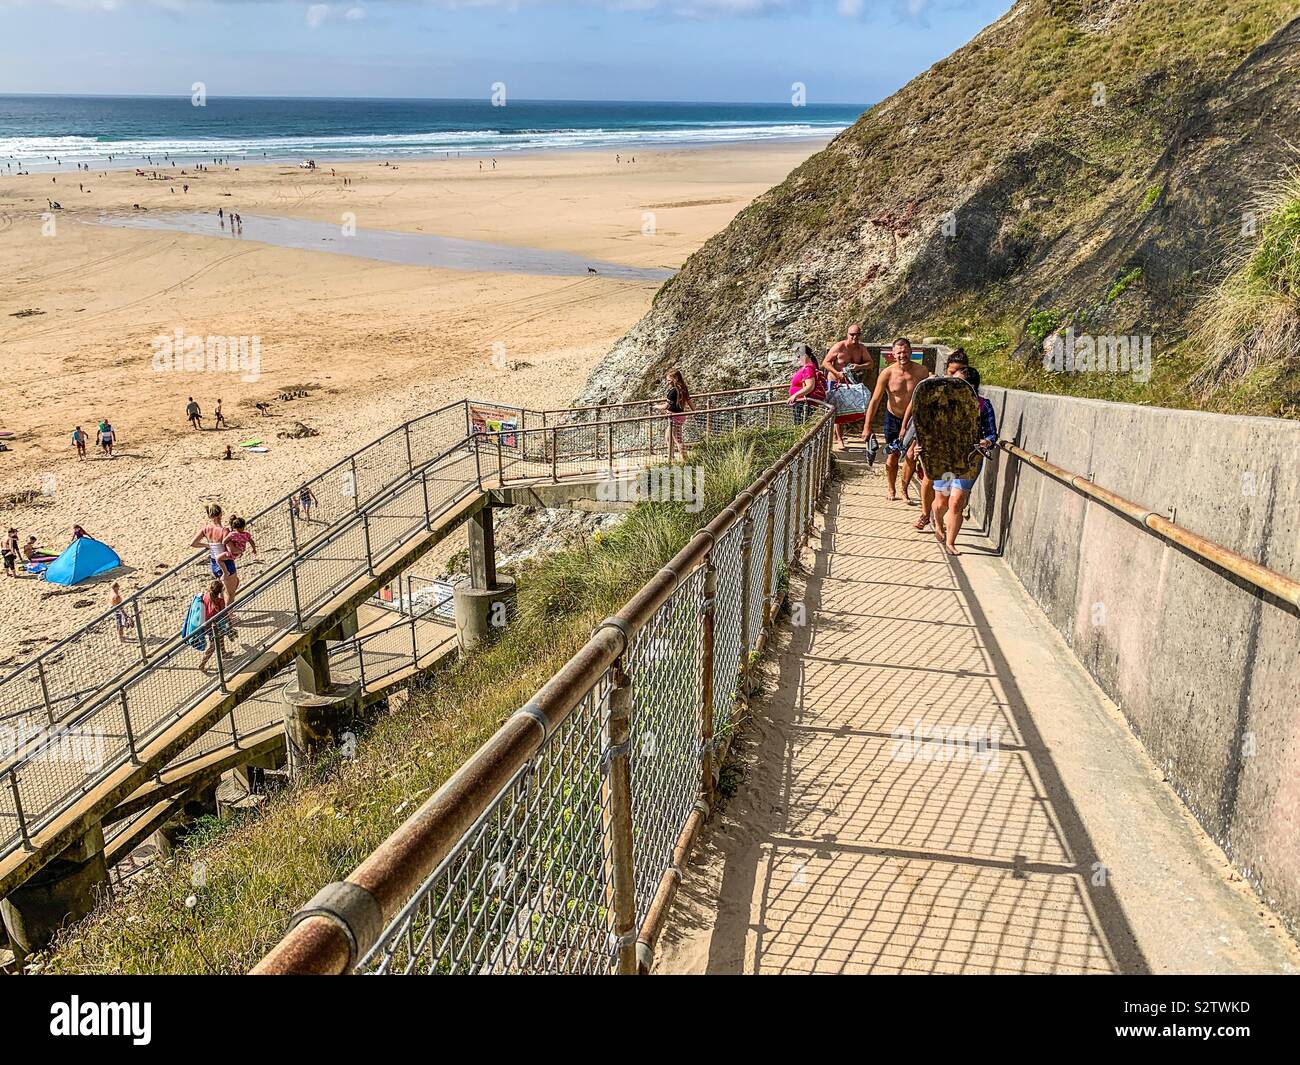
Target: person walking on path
(677,402)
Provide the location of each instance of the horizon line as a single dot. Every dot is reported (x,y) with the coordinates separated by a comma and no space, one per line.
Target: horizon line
(422,99)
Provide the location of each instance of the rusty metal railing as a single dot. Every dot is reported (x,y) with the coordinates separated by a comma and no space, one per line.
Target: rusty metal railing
(559,845)
(1267,580)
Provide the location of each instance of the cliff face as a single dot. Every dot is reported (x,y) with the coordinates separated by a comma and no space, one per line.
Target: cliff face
(1080,162)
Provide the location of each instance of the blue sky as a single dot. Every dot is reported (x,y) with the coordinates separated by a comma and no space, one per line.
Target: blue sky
(844,51)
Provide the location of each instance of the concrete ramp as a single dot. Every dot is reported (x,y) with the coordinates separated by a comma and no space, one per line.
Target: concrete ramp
(934,785)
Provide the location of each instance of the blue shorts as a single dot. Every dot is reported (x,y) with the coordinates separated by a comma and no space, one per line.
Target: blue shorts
(893,426)
(948,483)
(225,566)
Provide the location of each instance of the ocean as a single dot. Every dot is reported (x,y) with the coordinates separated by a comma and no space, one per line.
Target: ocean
(54,132)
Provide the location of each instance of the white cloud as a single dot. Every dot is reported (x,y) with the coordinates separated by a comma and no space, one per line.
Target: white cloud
(355,14)
(316,14)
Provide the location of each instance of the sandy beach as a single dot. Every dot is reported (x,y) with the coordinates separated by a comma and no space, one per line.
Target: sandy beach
(371,343)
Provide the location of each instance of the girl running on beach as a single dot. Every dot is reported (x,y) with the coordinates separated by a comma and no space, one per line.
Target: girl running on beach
(677,403)
(214,601)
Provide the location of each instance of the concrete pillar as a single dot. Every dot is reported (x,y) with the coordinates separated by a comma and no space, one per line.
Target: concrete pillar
(313,669)
(482,551)
(481,613)
(317,713)
(63,892)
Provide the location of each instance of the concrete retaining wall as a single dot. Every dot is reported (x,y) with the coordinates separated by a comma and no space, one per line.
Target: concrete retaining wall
(1205,668)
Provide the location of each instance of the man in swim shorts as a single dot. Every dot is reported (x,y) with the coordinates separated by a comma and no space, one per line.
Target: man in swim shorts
(79,442)
(193,413)
(897,381)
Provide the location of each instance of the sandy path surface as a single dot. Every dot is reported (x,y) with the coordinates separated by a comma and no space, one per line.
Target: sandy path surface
(936,786)
(372,343)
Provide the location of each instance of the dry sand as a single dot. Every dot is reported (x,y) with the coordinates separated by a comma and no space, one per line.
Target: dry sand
(376,343)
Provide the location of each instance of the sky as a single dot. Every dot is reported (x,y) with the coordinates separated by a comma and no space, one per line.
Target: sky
(843,51)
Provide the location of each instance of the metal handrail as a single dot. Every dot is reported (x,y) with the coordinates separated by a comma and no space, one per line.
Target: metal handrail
(326,941)
(1267,580)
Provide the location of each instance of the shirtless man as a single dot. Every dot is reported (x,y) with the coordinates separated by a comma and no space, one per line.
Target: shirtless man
(840,365)
(844,354)
(899,379)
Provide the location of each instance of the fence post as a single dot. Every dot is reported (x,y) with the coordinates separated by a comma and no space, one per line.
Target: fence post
(126,720)
(618,823)
(18,807)
(365,528)
(610,434)
(410,462)
(769,546)
(221,656)
(45,689)
(746,549)
(297,603)
(555,455)
(424,488)
(707,611)
(356,487)
(501,470)
(139,630)
(791,510)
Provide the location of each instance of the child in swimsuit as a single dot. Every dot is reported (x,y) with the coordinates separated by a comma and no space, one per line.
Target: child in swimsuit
(10,552)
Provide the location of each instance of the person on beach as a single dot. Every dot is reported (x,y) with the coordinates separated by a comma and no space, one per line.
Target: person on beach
(951,493)
(220,422)
(106,436)
(306,501)
(32,553)
(897,381)
(214,601)
(79,442)
(119,615)
(808,382)
(193,413)
(9,551)
(238,540)
(677,402)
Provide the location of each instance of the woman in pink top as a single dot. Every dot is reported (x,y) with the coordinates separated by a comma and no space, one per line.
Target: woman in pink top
(808,383)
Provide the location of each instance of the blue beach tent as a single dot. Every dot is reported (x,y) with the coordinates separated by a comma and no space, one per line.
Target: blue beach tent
(82,559)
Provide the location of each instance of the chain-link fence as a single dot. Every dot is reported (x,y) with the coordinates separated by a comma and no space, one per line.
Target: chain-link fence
(558,846)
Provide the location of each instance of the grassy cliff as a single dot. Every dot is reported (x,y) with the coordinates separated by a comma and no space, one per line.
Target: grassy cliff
(1087,164)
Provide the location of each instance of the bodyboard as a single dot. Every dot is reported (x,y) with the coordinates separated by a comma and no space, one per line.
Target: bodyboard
(192,630)
(947,416)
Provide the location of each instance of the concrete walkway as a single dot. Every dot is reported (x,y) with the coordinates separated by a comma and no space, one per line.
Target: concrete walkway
(935,785)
